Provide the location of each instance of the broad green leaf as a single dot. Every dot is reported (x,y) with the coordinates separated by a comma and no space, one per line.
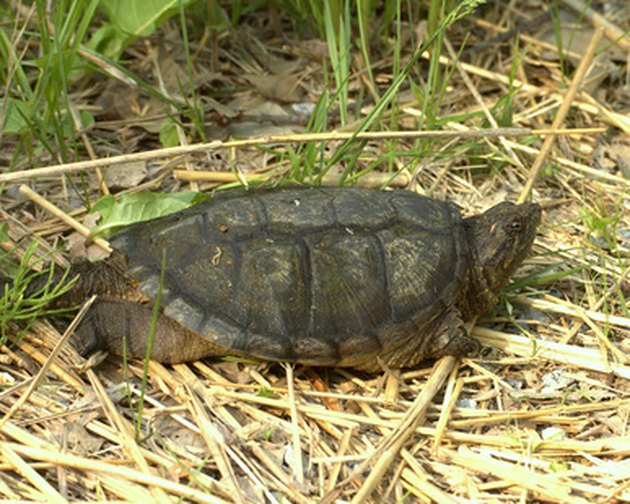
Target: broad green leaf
(139,18)
(15,116)
(129,20)
(69,127)
(127,209)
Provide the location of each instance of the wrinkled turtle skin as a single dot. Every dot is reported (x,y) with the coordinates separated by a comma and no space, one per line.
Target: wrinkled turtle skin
(321,276)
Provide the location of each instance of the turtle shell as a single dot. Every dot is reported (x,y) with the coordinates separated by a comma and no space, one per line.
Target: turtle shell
(328,276)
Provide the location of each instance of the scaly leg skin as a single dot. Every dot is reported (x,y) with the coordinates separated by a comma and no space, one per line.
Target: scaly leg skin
(110,321)
(453,338)
(448,337)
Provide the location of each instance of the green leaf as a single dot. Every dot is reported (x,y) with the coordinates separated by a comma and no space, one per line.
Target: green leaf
(15,116)
(109,41)
(69,128)
(558,466)
(266,393)
(129,20)
(139,18)
(127,209)
(168,135)
(4,232)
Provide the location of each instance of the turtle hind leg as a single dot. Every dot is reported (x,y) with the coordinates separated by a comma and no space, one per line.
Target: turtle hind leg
(110,322)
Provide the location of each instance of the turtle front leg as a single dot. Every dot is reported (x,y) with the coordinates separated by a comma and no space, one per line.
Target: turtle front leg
(112,322)
(447,335)
(452,338)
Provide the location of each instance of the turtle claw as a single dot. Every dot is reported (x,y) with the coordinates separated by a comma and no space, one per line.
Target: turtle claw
(453,338)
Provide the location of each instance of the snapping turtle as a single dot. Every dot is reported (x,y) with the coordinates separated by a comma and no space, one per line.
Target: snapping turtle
(321,276)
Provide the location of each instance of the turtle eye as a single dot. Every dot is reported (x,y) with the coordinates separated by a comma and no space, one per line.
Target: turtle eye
(516,225)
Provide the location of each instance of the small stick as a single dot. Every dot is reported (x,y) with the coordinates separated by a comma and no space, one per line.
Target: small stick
(215,442)
(391,445)
(128,443)
(407,427)
(480,101)
(453,389)
(31,475)
(562,113)
(612,31)
(46,366)
(57,212)
(220,177)
(298,466)
(270,139)
(372,179)
(97,467)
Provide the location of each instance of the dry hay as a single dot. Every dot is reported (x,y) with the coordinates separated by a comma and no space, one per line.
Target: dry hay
(542,415)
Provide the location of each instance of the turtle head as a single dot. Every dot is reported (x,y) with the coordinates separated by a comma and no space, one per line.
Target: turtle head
(500,239)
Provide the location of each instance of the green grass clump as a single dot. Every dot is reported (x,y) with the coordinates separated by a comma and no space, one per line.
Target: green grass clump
(26,295)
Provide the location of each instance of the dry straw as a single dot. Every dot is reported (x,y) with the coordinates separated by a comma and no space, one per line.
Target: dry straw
(542,417)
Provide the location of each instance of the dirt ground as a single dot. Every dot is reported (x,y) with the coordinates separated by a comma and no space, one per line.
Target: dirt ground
(540,415)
